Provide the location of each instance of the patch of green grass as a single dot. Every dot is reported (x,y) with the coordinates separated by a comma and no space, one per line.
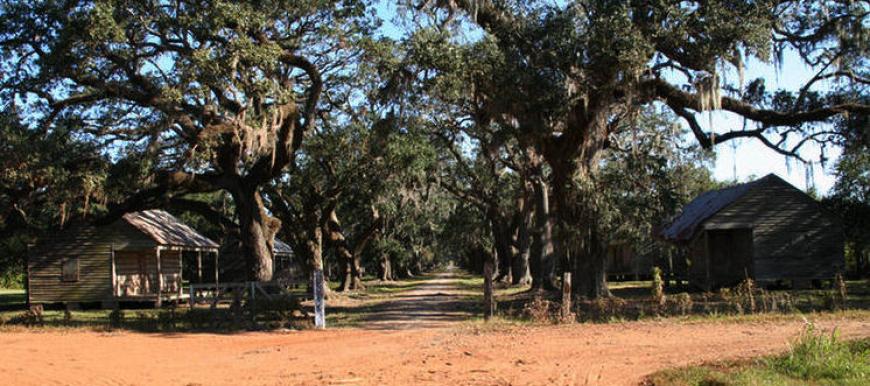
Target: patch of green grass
(11,297)
(818,356)
(391,287)
(814,359)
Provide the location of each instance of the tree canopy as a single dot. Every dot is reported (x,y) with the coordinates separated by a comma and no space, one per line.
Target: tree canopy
(524,134)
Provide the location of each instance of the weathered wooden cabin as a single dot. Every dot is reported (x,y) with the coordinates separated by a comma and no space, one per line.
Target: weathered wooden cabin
(625,263)
(232,264)
(766,229)
(137,258)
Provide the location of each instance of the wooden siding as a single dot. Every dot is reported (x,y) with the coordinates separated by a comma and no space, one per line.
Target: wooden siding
(793,237)
(93,246)
(95,273)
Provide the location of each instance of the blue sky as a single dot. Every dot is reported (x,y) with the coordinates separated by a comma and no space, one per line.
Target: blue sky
(744,159)
(754,159)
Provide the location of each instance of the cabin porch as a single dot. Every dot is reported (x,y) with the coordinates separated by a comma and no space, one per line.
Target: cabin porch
(160,274)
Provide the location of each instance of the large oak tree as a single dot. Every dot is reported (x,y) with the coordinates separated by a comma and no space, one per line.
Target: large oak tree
(573,73)
(216,95)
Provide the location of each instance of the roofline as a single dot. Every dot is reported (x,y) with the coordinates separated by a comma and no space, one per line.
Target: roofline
(700,226)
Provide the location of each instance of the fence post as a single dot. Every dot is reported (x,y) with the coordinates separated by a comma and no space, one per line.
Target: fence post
(566,296)
(319,306)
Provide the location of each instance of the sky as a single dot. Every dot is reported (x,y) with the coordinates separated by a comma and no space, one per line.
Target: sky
(745,159)
(753,159)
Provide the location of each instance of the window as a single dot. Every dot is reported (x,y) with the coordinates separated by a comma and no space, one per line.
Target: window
(70,269)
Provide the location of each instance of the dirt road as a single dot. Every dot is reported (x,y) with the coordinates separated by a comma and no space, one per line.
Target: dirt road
(453,353)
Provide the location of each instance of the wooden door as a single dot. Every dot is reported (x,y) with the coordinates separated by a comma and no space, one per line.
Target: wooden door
(730,252)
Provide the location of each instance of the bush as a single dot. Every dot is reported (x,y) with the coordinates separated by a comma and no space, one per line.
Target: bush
(607,309)
(12,280)
(682,303)
(280,312)
(31,317)
(539,310)
(818,356)
(116,317)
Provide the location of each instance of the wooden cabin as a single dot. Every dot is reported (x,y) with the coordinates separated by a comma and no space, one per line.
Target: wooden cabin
(140,257)
(766,229)
(625,263)
(232,264)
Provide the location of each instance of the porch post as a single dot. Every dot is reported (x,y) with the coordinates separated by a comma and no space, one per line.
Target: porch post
(114,274)
(199,266)
(180,276)
(159,302)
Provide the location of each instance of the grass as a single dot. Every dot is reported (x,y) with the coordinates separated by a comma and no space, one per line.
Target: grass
(11,298)
(815,358)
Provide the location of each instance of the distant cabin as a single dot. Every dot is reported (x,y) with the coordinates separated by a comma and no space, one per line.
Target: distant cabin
(140,257)
(765,229)
(232,264)
(625,263)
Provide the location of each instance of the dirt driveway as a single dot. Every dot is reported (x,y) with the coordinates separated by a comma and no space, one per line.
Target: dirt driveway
(427,346)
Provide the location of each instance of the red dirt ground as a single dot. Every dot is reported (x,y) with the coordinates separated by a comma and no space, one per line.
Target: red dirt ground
(451,353)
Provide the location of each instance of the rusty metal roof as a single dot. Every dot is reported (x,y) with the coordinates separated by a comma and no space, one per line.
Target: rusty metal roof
(281,248)
(684,226)
(167,230)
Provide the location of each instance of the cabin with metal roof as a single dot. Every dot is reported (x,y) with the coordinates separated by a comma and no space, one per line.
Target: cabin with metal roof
(766,230)
(232,264)
(139,257)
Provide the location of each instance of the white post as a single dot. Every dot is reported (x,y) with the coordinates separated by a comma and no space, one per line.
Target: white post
(319,303)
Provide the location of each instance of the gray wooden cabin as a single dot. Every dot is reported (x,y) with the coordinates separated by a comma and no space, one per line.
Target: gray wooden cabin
(232,264)
(137,258)
(766,229)
(625,263)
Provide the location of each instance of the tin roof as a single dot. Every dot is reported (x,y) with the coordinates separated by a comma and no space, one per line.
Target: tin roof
(165,229)
(684,226)
(281,248)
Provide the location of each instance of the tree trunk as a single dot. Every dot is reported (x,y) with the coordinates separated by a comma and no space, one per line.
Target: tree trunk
(386,273)
(521,272)
(257,233)
(590,265)
(314,244)
(349,273)
(541,256)
(488,301)
(503,249)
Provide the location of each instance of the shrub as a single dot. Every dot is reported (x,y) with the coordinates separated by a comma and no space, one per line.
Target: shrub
(31,317)
(606,309)
(279,312)
(116,317)
(12,280)
(745,292)
(683,303)
(818,356)
(538,310)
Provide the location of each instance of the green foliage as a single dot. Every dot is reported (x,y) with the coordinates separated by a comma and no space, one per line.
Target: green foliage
(820,356)
(815,358)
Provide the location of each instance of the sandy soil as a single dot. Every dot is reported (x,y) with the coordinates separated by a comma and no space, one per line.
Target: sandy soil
(421,346)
